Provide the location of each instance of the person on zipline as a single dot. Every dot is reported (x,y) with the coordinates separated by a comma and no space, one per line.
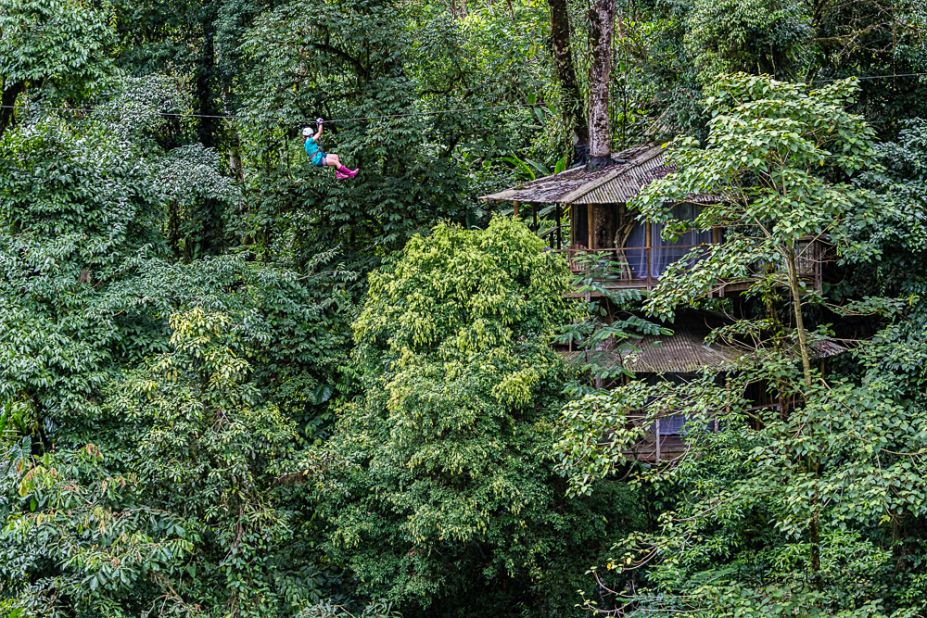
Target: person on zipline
(320,158)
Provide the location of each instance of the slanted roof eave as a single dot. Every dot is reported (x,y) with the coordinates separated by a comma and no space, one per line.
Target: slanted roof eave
(545,190)
(575,196)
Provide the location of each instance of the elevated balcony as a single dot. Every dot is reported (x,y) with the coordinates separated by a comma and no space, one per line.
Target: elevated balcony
(590,215)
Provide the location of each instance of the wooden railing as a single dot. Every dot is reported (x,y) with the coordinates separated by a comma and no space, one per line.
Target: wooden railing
(637,267)
(664,440)
(658,444)
(628,267)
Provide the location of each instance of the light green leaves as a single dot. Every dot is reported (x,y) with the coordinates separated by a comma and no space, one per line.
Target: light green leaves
(777,165)
(440,476)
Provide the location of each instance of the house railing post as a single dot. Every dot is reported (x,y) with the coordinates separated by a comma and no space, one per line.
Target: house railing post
(648,254)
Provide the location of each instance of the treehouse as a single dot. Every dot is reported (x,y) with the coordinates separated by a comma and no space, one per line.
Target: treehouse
(590,215)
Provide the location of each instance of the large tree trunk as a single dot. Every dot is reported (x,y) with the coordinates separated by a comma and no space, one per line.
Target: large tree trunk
(601,25)
(575,117)
(7,104)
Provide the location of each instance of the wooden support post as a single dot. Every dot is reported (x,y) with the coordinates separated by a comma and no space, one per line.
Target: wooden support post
(534,216)
(817,254)
(656,431)
(590,239)
(716,240)
(559,214)
(515,205)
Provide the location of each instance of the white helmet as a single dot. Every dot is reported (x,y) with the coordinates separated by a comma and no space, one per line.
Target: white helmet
(307,131)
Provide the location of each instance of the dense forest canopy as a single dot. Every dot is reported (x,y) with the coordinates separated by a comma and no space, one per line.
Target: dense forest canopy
(234,385)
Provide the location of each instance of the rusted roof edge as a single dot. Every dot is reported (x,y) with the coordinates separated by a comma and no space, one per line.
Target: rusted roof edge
(621,169)
(511,194)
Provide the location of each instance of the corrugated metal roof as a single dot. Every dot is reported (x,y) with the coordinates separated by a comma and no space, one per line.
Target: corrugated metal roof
(825,348)
(623,187)
(682,352)
(633,169)
(685,351)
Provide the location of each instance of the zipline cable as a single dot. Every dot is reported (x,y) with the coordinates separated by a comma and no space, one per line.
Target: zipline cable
(871,77)
(459,110)
(87,110)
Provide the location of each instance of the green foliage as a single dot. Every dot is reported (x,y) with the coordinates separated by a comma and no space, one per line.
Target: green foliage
(211,450)
(328,610)
(151,408)
(413,95)
(455,303)
(44,40)
(439,482)
(851,40)
(78,535)
(154,40)
(176,294)
(340,60)
(192,428)
(811,504)
(60,46)
(199,200)
(293,327)
(757,36)
(671,51)
(735,540)
(72,208)
(901,231)
(608,327)
(596,431)
(777,165)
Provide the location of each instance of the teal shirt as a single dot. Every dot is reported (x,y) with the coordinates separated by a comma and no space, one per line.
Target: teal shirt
(311,147)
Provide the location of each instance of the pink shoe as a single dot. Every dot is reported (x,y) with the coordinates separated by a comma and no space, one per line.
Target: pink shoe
(353,173)
(341,176)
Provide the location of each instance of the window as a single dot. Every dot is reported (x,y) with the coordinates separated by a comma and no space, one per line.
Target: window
(655,259)
(580,222)
(672,425)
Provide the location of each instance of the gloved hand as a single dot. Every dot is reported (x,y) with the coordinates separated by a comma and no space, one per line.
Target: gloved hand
(320,121)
